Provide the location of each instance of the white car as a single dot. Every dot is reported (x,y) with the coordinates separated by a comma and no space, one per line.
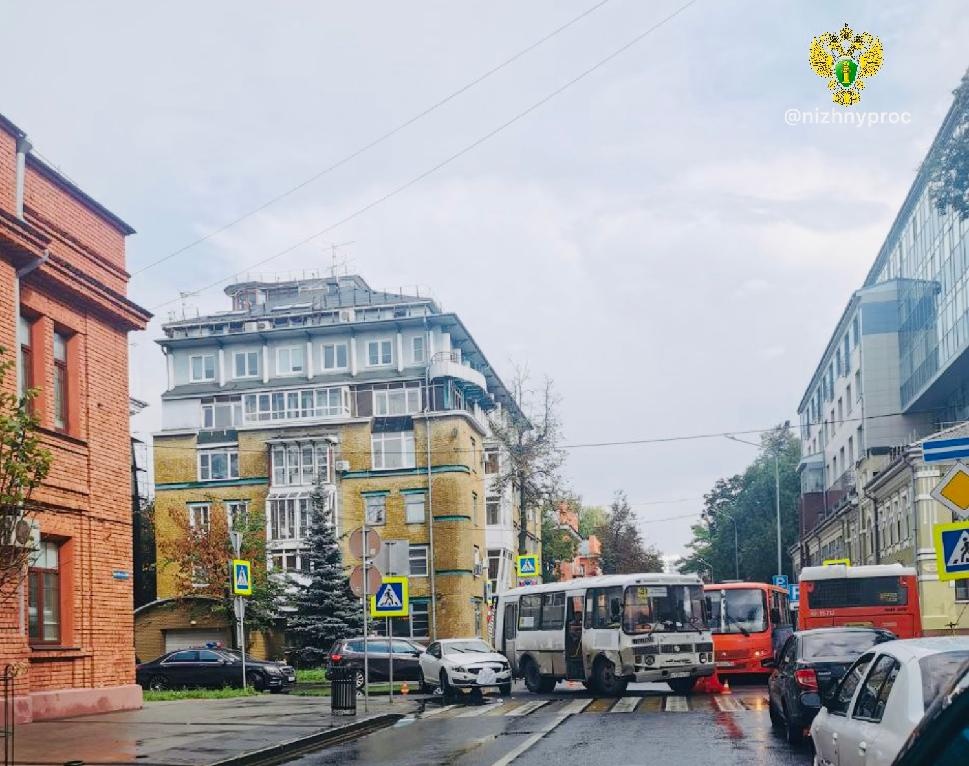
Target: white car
(463,663)
(881,699)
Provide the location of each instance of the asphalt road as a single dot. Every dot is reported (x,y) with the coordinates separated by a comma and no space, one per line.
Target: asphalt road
(649,725)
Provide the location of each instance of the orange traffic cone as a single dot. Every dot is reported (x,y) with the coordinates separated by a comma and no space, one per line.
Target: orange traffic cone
(709,685)
(404,688)
(726,687)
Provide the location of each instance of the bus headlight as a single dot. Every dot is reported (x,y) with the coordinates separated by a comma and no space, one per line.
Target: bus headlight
(703,658)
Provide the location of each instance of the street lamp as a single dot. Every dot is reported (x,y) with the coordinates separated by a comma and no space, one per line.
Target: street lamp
(777,491)
(736,555)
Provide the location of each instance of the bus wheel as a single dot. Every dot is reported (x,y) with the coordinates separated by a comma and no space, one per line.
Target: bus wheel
(681,685)
(533,677)
(605,679)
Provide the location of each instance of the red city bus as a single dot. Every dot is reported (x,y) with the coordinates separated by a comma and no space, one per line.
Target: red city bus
(750,621)
(880,596)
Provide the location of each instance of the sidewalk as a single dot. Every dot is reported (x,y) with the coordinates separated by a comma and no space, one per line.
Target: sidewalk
(190,732)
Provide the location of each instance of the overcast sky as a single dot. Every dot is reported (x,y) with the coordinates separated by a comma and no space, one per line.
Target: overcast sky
(655,238)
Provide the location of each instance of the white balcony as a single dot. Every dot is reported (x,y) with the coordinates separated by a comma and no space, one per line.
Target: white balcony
(445,364)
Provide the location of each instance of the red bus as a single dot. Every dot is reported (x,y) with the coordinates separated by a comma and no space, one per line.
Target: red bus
(750,621)
(881,596)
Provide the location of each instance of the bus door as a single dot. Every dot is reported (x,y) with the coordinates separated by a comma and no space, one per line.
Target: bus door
(574,666)
(509,631)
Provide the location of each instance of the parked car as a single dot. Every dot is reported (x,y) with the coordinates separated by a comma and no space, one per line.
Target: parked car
(881,699)
(942,738)
(809,666)
(213,668)
(348,653)
(463,663)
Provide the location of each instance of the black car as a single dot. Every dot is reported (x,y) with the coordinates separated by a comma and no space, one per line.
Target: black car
(808,666)
(213,668)
(942,737)
(348,653)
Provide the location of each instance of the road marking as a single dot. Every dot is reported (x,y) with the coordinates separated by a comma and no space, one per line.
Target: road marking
(437,711)
(677,705)
(575,707)
(475,710)
(728,704)
(651,705)
(600,705)
(527,708)
(528,743)
(625,705)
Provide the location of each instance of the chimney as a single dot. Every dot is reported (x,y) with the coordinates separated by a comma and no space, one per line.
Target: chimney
(23,149)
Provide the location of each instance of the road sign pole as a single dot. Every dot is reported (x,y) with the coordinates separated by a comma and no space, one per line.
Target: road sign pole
(366,664)
(241,635)
(390,643)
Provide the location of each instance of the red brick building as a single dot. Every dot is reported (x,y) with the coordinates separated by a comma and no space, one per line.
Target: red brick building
(64,310)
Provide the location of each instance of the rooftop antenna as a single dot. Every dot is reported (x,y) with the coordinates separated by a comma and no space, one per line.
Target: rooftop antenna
(334,265)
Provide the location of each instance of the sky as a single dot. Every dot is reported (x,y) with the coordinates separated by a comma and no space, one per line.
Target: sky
(655,238)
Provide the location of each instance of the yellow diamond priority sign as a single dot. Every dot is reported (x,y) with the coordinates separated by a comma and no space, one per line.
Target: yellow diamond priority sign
(953,491)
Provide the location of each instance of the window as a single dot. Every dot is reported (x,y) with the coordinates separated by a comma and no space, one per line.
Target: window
(418,560)
(553,611)
(419,621)
(184,657)
(962,590)
(491,460)
(376,509)
(237,513)
(25,377)
(380,353)
(300,464)
(297,403)
(841,410)
(474,508)
(245,364)
(414,508)
(397,401)
(219,464)
(335,356)
(847,353)
(858,385)
(530,612)
(494,565)
(870,705)
(60,381)
(606,607)
(44,595)
(493,510)
(393,450)
(201,368)
(848,399)
(417,350)
(846,690)
(289,517)
(289,561)
(290,360)
(199,516)
(221,413)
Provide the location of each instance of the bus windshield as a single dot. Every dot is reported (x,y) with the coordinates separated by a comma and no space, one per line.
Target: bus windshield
(663,608)
(847,592)
(737,610)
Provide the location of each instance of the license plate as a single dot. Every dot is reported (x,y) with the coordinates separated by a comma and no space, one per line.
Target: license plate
(725,664)
(486,676)
(290,678)
(678,675)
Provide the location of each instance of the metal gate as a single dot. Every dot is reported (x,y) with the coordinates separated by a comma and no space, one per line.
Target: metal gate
(6,734)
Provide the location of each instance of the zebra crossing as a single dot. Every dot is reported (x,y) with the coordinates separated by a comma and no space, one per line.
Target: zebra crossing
(520,707)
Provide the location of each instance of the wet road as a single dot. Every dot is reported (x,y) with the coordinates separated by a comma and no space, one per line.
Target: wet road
(648,725)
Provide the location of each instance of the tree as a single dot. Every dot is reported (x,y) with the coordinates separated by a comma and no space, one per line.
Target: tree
(529,438)
(948,172)
(750,499)
(24,464)
(199,549)
(326,609)
(558,543)
(591,517)
(623,550)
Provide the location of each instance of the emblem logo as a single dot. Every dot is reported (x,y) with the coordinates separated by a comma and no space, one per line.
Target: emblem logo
(845,59)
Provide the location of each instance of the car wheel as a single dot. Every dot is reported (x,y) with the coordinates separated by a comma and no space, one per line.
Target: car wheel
(775,719)
(158,683)
(505,690)
(425,688)
(256,681)
(533,677)
(606,680)
(795,735)
(682,685)
(446,689)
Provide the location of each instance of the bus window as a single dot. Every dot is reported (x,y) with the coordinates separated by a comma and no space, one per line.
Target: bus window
(607,608)
(509,625)
(859,591)
(530,612)
(738,610)
(553,611)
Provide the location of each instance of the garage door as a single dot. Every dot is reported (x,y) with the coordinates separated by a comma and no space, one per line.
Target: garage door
(186,639)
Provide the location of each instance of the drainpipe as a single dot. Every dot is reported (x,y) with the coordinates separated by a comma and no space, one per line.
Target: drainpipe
(23,149)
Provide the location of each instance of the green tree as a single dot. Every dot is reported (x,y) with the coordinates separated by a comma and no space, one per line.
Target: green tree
(750,499)
(591,517)
(24,464)
(623,549)
(325,607)
(948,171)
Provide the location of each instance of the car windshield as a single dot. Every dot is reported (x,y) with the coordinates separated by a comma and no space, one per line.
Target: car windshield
(938,671)
(465,647)
(847,645)
(737,610)
(659,608)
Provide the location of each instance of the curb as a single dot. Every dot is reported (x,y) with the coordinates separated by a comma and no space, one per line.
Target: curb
(275,753)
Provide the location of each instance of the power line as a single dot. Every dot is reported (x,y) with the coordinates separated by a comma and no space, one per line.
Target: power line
(375,142)
(448,160)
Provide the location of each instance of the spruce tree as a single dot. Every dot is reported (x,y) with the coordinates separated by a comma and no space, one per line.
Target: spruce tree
(326,609)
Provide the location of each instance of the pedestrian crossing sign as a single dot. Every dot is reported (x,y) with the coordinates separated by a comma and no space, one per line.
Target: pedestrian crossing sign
(241,578)
(527,565)
(952,550)
(391,599)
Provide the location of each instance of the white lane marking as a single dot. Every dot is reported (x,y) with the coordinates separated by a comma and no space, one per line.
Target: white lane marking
(677,705)
(476,710)
(437,711)
(527,708)
(575,707)
(528,743)
(625,705)
(728,704)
